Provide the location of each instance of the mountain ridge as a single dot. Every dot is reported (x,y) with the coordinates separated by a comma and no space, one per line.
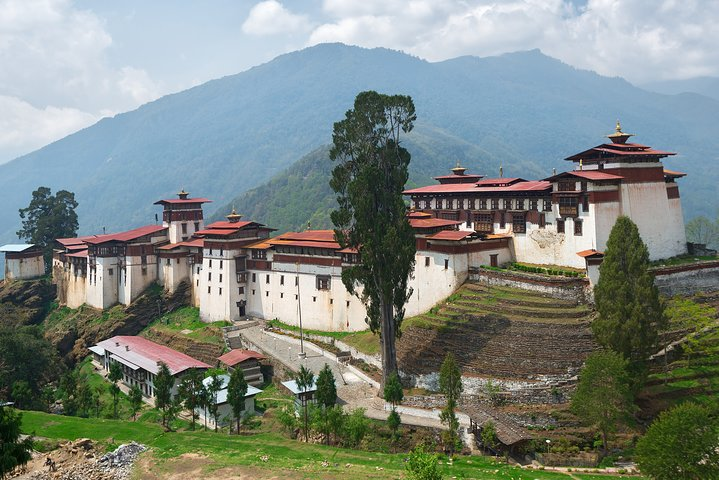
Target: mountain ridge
(527,111)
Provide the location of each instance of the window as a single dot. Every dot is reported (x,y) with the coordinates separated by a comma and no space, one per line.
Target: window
(584,186)
(470,203)
(446,263)
(197,226)
(566,186)
(253,292)
(209,289)
(220,278)
(167,262)
(542,220)
(209,262)
(519,204)
(267,293)
(585,203)
(259,254)
(220,290)
(210,252)
(483,204)
(568,206)
(547,205)
(502,221)
(282,279)
(426,261)
(197,282)
(323,282)
(533,204)
(560,226)
(519,224)
(241,290)
(109,271)
(282,295)
(209,276)
(267,278)
(220,264)
(577,227)
(222,251)
(198,270)
(314,299)
(348,304)
(184,228)
(483,222)
(297,281)
(254,278)
(495,204)
(332,301)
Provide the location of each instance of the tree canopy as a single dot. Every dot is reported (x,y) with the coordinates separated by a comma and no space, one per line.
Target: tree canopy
(371,172)
(603,397)
(236,391)
(681,445)
(48,217)
(164,381)
(13,451)
(630,311)
(326,388)
(450,384)
(305,379)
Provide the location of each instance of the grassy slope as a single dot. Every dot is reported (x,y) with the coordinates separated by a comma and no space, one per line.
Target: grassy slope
(285,454)
(188,318)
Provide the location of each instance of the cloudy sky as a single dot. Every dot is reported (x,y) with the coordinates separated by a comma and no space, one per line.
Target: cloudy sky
(64,64)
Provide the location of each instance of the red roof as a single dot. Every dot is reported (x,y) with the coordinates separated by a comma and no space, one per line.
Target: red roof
(618,150)
(313,235)
(432,222)
(672,173)
(590,253)
(236,356)
(224,228)
(125,236)
(69,242)
(146,354)
(499,181)
(78,254)
(451,235)
(522,186)
(195,242)
(594,175)
(419,215)
(180,200)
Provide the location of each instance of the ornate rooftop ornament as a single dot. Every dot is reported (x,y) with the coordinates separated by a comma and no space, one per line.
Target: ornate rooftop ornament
(618,136)
(234,217)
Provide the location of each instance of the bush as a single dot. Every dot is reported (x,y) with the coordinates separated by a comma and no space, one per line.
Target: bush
(422,465)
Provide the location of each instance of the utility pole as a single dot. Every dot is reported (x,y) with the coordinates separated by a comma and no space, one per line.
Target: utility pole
(302,353)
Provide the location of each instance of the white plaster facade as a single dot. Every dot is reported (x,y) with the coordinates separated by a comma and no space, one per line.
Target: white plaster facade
(23,262)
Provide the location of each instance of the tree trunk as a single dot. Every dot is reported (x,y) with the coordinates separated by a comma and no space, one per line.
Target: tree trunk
(389,338)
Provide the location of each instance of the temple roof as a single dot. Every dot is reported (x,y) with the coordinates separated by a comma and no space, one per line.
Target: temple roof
(124,236)
(619,149)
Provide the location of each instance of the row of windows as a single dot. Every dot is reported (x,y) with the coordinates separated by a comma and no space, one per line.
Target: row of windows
(184,227)
(577,227)
(483,204)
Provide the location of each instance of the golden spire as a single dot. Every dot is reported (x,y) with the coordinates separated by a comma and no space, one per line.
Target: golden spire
(234,216)
(183,194)
(618,127)
(458,170)
(581,164)
(501,171)
(618,136)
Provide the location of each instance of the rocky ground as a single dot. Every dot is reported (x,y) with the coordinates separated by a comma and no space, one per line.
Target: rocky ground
(82,460)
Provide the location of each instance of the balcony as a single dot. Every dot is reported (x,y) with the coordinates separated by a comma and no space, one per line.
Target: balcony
(484,227)
(568,210)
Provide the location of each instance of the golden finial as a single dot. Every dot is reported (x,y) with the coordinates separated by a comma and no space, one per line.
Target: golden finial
(618,136)
(618,127)
(501,171)
(457,166)
(234,216)
(581,164)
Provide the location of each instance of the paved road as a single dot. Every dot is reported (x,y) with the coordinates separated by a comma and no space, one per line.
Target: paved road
(353,391)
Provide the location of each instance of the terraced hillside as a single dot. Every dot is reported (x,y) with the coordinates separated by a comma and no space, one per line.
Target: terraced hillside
(499,332)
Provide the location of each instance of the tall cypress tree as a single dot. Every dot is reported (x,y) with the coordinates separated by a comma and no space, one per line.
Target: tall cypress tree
(630,311)
(369,179)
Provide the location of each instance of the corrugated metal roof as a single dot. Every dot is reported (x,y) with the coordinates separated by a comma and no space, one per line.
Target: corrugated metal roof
(236,356)
(16,247)
(125,236)
(147,354)
(452,235)
(291,385)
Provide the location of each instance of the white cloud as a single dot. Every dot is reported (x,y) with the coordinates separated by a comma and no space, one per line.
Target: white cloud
(641,40)
(55,75)
(270,17)
(24,127)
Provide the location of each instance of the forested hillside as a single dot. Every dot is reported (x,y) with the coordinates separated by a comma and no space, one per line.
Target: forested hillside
(525,111)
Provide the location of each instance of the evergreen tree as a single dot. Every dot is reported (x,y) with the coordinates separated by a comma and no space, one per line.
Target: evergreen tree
(213,389)
(305,379)
(393,394)
(135,401)
(47,218)
(326,389)
(163,383)
(681,445)
(450,384)
(13,451)
(369,179)
(115,375)
(630,311)
(189,392)
(236,391)
(603,397)
(21,394)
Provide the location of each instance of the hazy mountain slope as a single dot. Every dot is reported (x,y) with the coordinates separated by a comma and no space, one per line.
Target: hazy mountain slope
(707,86)
(229,135)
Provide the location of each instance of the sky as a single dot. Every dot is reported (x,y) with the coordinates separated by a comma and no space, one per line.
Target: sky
(64,64)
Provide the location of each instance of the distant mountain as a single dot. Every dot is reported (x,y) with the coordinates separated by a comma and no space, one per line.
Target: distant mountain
(707,86)
(525,111)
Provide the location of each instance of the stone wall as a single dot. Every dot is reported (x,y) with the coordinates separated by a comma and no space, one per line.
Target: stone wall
(687,279)
(553,286)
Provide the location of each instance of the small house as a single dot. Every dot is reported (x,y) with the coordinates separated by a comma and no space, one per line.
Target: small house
(248,361)
(301,395)
(23,261)
(224,410)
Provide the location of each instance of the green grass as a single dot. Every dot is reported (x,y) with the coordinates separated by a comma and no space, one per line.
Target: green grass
(101,385)
(276,323)
(284,454)
(188,318)
(365,342)
(682,260)
(684,312)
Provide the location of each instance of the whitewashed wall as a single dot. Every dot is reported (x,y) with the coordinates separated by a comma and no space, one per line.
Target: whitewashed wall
(24,268)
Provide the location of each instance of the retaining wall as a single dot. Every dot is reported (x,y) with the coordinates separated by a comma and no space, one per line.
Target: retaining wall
(687,279)
(553,286)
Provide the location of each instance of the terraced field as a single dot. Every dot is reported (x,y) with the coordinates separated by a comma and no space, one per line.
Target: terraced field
(499,332)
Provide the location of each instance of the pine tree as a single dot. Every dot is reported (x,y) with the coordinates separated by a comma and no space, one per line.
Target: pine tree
(603,397)
(305,379)
(163,384)
(369,179)
(13,451)
(630,311)
(450,384)
(135,401)
(115,375)
(326,389)
(189,392)
(393,394)
(236,391)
